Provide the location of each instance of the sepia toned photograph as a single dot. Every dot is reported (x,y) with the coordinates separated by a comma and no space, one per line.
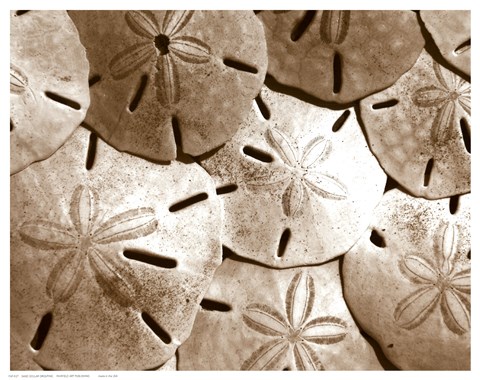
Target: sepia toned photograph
(240,190)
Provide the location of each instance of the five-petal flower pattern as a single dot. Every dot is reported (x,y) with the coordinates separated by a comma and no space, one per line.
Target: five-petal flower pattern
(165,46)
(83,241)
(440,283)
(295,333)
(452,92)
(301,174)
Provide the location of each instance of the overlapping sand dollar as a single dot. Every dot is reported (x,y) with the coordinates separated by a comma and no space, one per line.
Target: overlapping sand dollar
(155,71)
(293,319)
(341,56)
(419,129)
(315,193)
(451,32)
(49,93)
(109,257)
(408,285)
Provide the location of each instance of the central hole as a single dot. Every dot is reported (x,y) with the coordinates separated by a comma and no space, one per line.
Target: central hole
(85,243)
(161,43)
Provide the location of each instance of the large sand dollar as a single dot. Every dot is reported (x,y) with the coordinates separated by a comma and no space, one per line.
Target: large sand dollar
(419,129)
(306,183)
(407,281)
(161,77)
(108,264)
(49,93)
(258,318)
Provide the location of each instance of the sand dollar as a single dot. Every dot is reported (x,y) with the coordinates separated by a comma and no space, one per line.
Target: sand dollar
(161,76)
(298,181)
(341,56)
(258,318)
(49,93)
(451,32)
(419,129)
(407,281)
(108,264)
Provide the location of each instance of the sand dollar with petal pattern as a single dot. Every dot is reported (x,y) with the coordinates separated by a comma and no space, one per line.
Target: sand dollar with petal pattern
(161,78)
(49,94)
(306,183)
(419,129)
(105,263)
(412,266)
(341,55)
(271,319)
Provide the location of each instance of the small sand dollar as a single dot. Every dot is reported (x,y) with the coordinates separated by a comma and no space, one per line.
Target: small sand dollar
(451,32)
(298,181)
(165,77)
(49,93)
(419,129)
(407,281)
(258,318)
(109,262)
(341,56)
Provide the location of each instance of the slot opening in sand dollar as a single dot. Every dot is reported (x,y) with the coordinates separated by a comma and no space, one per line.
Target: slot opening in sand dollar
(226,189)
(150,258)
(386,104)
(156,328)
(42,332)
(465,128)
(453,204)
(92,151)
(337,73)
(139,94)
(240,66)
(63,100)
(188,202)
(377,239)
(211,305)
(428,173)
(257,154)
(463,47)
(283,243)
(340,121)
(301,27)
(262,107)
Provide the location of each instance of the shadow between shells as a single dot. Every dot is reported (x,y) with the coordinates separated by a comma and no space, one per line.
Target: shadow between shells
(240,190)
